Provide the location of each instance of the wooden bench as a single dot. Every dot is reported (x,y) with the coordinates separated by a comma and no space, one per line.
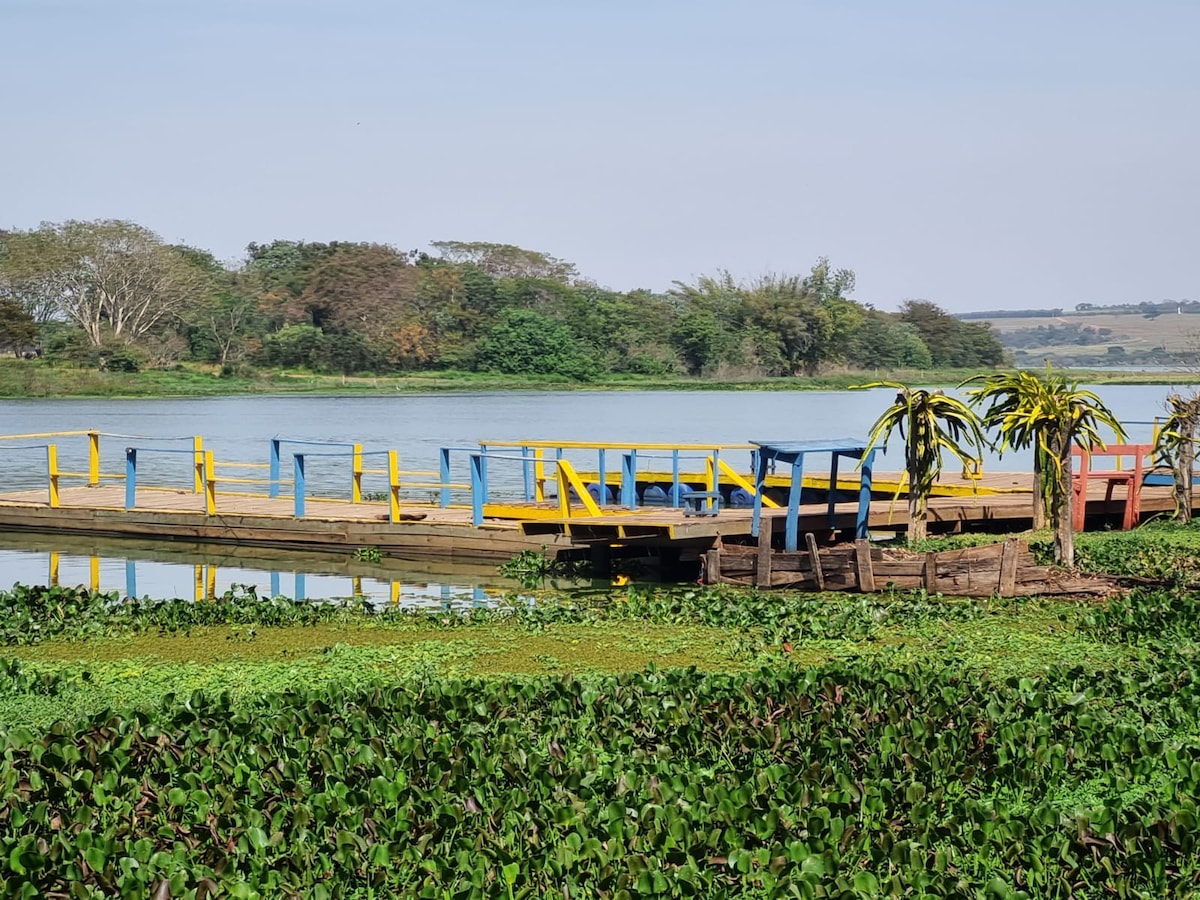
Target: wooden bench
(1131,478)
(701,503)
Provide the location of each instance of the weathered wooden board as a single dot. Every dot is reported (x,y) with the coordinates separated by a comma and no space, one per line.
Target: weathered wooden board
(1007,569)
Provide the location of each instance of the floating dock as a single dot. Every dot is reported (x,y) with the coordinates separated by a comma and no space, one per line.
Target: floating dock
(544,504)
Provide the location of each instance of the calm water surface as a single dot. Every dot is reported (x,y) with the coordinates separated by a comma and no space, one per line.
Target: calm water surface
(239,429)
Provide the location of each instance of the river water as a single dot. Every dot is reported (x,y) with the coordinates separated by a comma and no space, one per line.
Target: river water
(240,429)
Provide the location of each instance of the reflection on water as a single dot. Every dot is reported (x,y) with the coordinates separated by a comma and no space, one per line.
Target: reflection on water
(196,571)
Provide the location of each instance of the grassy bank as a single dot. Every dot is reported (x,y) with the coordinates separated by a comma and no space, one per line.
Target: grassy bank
(35,379)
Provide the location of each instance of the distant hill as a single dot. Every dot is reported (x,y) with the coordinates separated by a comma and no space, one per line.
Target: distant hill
(1166,332)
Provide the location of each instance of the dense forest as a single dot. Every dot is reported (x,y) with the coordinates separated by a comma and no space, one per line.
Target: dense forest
(112,294)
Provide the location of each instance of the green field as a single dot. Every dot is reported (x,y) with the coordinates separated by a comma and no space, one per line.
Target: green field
(675,742)
(1137,334)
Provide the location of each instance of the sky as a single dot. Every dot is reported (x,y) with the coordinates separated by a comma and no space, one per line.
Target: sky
(981,154)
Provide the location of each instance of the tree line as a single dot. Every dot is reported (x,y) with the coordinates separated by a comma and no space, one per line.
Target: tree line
(114,294)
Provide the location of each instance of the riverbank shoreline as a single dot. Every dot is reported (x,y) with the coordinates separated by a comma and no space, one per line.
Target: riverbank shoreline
(22,379)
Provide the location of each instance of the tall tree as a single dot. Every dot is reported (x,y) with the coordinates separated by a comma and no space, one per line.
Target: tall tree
(953,342)
(31,270)
(931,424)
(112,276)
(507,261)
(1051,415)
(18,330)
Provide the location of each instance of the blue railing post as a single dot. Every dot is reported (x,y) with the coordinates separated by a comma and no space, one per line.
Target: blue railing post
(833,476)
(603,475)
(273,490)
(300,490)
(675,478)
(444,471)
(274,584)
(864,497)
(629,479)
(526,466)
(130,578)
(130,477)
(760,480)
(300,590)
(478,490)
(791,540)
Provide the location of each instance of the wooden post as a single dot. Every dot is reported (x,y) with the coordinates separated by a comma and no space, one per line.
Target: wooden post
(931,578)
(600,559)
(762,575)
(862,562)
(815,558)
(712,567)
(1006,586)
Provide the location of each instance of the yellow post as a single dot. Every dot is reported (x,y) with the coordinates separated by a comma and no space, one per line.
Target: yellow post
(210,587)
(564,501)
(357,491)
(93,458)
(94,572)
(539,475)
(210,484)
(711,473)
(395,593)
(393,486)
(199,583)
(52,466)
(356,585)
(568,478)
(54,560)
(198,459)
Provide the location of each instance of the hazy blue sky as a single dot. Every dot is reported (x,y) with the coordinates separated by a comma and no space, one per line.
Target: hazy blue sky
(977,154)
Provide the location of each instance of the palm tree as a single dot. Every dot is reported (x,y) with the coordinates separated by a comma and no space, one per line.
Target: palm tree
(931,424)
(1175,445)
(1051,415)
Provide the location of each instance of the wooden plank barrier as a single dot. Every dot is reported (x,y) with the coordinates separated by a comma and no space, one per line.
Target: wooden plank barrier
(1006,569)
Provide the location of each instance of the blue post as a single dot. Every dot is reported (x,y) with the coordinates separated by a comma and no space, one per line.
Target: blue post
(526,466)
(483,469)
(477,489)
(130,578)
(629,479)
(274,584)
(273,490)
(603,478)
(675,478)
(300,591)
(833,475)
(791,540)
(864,497)
(130,477)
(444,471)
(300,487)
(759,464)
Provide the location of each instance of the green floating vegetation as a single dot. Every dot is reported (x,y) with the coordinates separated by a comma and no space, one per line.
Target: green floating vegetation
(677,742)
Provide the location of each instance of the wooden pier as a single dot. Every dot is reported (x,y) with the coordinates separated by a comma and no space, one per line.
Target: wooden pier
(417,514)
(507,529)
